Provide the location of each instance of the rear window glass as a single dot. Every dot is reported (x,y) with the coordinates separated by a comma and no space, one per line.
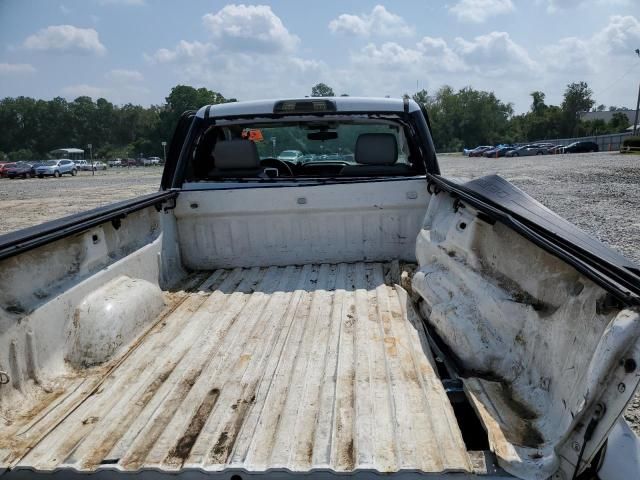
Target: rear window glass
(323,148)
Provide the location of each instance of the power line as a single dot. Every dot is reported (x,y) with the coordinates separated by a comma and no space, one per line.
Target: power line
(627,72)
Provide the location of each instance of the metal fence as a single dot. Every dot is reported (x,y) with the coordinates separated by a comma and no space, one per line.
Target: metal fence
(606,143)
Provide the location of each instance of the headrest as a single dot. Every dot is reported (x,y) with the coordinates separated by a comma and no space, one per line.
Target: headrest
(236,155)
(376,149)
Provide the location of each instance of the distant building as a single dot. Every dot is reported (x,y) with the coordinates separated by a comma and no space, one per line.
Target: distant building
(607,115)
(70,153)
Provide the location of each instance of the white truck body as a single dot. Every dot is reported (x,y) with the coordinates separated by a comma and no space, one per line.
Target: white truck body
(403,325)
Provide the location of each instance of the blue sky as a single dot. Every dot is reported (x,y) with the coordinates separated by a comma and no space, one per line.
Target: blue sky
(136,50)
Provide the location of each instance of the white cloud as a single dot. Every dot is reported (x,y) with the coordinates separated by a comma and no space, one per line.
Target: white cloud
(124,76)
(620,36)
(570,54)
(389,56)
(554,6)
(428,55)
(250,28)
(478,11)
(66,39)
(84,90)
(183,51)
(16,68)
(495,54)
(129,3)
(379,22)
(118,93)
(438,54)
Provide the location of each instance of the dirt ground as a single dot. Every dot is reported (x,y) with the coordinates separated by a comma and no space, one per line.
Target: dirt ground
(598,192)
(24,203)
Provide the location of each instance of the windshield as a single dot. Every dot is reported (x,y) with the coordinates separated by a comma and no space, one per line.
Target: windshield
(324,143)
(50,163)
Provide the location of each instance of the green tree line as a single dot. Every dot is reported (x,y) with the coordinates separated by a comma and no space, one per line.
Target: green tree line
(469,117)
(32,128)
(466,117)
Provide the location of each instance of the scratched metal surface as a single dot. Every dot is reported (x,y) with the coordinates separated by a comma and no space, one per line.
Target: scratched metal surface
(301,368)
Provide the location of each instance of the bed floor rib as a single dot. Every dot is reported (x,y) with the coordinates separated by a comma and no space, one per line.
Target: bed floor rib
(298,368)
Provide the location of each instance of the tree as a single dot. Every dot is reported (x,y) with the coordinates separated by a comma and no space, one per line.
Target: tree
(465,117)
(601,108)
(421,97)
(181,99)
(619,123)
(322,90)
(577,99)
(538,106)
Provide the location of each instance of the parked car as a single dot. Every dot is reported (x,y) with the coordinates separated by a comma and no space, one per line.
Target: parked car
(527,151)
(155,160)
(99,166)
(4,166)
(555,149)
(82,165)
(290,156)
(56,168)
(478,151)
(115,162)
(498,152)
(581,147)
(20,169)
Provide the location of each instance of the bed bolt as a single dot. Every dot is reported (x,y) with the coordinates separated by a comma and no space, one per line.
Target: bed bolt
(194,205)
(4,378)
(575,446)
(629,365)
(622,387)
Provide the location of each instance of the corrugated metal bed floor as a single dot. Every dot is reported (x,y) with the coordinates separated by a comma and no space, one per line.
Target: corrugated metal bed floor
(298,368)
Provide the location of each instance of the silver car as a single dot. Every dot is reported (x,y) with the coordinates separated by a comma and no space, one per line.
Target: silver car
(56,168)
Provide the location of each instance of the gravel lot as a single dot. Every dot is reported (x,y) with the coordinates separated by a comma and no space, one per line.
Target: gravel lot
(599,192)
(24,203)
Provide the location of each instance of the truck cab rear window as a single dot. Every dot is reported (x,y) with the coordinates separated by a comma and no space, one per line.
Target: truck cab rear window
(313,149)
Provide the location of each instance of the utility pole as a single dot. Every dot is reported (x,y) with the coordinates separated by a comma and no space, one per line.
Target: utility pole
(635,122)
(164,151)
(90,147)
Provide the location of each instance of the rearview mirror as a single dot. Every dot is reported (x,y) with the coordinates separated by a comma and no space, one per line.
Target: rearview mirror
(322,135)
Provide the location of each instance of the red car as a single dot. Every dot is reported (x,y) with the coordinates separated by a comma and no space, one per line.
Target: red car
(3,168)
(19,169)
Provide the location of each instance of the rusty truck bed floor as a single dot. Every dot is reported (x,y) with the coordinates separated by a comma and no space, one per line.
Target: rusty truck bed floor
(298,368)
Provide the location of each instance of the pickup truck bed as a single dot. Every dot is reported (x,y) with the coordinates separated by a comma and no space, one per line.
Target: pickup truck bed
(297,368)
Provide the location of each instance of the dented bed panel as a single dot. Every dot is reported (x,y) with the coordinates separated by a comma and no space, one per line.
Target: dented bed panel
(299,368)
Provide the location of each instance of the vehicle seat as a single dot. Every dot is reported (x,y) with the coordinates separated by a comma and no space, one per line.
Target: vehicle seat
(235,158)
(376,155)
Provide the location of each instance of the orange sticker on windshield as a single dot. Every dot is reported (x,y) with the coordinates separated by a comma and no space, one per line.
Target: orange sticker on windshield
(254,135)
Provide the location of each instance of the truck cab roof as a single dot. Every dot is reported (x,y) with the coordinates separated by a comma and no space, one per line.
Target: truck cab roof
(340,105)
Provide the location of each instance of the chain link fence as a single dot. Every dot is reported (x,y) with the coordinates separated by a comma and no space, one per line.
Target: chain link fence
(606,143)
